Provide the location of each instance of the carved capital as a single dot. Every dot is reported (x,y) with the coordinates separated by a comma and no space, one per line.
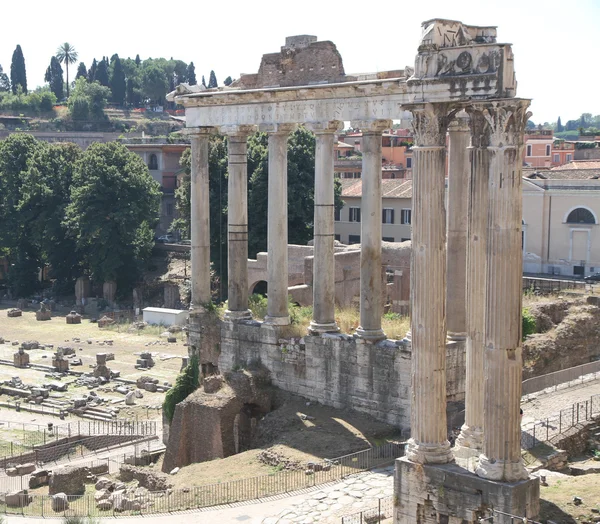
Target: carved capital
(371,126)
(506,120)
(330,127)
(199,131)
(480,130)
(277,129)
(430,123)
(237,130)
(460,123)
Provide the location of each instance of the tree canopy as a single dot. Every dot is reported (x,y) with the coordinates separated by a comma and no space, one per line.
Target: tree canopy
(4,81)
(54,77)
(18,75)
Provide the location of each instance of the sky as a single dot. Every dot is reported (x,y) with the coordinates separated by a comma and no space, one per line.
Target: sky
(555,43)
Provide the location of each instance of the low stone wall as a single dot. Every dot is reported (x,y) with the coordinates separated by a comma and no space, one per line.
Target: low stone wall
(151,480)
(337,370)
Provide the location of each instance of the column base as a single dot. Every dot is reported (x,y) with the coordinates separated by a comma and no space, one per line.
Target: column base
(429,453)
(316,328)
(468,447)
(501,470)
(370,334)
(448,493)
(232,316)
(277,321)
(456,337)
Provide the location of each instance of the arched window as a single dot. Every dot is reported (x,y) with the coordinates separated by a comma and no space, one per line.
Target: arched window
(153,164)
(581,216)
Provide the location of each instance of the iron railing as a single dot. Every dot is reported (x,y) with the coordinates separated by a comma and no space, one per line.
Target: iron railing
(384,510)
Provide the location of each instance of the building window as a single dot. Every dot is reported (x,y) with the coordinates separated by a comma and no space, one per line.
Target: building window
(387,216)
(529,150)
(569,157)
(405,216)
(388,239)
(557,158)
(169,210)
(153,164)
(354,239)
(404,239)
(337,237)
(336,215)
(547,149)
(408,162)
(581,216)
(354,215)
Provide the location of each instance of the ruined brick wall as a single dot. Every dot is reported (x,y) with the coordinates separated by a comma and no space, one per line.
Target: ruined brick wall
(336,370)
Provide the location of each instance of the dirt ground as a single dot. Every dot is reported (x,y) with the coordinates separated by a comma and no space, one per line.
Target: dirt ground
(88,339)
(557,499)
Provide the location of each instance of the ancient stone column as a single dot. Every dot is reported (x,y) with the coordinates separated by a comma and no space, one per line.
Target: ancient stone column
(370,231)
(501,457)
(277,230)
(200,218)
(237,222)
(470,442)
(429,438)
(324,264)
(456,265)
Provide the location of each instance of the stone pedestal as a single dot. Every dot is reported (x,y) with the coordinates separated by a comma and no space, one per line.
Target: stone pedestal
(109,291)
(21,359)
(434,493)
(171,296)
(60,363)
(44,313)
(73,318)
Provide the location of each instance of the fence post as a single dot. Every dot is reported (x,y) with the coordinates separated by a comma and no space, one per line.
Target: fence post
(379,514)
(547,427)
(560,422)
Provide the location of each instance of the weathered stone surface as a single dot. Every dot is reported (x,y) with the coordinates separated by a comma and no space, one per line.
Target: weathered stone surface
(14,312)
(130,398)
(68,479)
(44,313)
(17,499)
(73,318)
(105,321)
(152,480)
(21,359)
(60,502)
(30,344)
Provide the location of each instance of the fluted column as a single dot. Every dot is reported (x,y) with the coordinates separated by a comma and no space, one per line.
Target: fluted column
(323,261)
(237,222)
(429,437)
(277,230)
(370,231)
(470,441)
(200,218)
(501,458)
(458,188)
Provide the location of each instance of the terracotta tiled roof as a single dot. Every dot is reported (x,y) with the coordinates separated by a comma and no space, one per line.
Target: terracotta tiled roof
(390,187)
(578,164)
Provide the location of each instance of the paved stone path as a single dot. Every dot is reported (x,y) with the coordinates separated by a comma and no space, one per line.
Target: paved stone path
(358,492)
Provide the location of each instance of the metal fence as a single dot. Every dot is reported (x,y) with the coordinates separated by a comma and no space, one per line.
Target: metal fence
(214,494)
(552,427)
(535,384)
(384,510)
(550,285)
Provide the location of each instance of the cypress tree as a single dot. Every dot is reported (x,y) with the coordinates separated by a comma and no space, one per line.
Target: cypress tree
(54,77)
(559,126)
(81,71)
(118,84)
(18,75)
(212,81)
(138,61)
(91,76)
(228,81)
(203,81)
(102,72)
(191,74)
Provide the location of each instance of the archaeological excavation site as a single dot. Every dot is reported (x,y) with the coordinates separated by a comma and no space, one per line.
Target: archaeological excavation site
(436,403)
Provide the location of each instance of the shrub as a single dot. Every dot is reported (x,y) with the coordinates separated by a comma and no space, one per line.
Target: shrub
(187,382)
(528,323)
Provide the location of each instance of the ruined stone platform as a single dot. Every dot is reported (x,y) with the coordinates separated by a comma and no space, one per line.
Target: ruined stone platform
(450,493)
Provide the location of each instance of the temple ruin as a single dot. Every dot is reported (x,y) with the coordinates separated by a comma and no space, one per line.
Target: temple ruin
(462,85)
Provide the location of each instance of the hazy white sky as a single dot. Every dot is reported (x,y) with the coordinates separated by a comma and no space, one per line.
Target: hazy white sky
(555,42)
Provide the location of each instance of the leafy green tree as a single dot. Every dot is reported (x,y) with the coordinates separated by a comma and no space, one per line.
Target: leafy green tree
(113,209)
(45,194)
(81,71)
(154,82)
(23,257)
(4,81)
(54,77)
(118,85)
(191,74)
(228,81)
(180,71)
(88,100)
(101,75)
(66,53)
(212,81)
(186,383)
(559,127)
(18,75)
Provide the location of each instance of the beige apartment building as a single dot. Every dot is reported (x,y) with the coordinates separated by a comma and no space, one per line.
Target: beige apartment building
(561,231)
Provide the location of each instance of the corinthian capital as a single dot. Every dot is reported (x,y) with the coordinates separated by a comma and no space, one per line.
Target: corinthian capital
(430,123)
(507,120)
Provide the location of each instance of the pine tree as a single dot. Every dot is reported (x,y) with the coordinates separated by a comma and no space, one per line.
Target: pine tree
(91,76)
(203,81)
(191,74)
(228,81)
(559,126)
(102,72)
(81,71)
(18,75)
(118,84)
(54,77)
(212,81)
